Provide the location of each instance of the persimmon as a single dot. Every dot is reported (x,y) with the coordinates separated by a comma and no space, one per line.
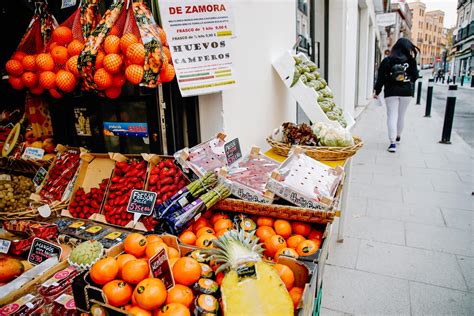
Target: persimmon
(282,227)
(301,228)
(223,231)
(180,294)
(286,275)
(117,292)
(296,293)
(172,261)
(290,252)
(135,244)
(199,223)
(188,238)
(138,311)
(218,216)
(153,238)
(173,309)
(265,221)
(273,244)
(155,247)
(205,230)
(264,232)
(294,241)
(307,248)
(186,271)
(150,293)
(122,260)
(173,253)
(205,241)
(104,270)
(135,271)
(222,223)
(315,235)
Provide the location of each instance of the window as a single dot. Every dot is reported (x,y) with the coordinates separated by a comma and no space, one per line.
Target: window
(426,37)
(435,28)
(421,24)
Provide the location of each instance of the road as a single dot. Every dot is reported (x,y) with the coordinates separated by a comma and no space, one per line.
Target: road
(464,113)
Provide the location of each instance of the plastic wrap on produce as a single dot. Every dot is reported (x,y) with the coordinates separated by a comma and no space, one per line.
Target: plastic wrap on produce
(207,156)
(248,177)
(305,182)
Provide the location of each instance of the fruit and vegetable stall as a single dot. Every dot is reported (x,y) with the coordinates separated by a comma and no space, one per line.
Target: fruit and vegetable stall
(209,230)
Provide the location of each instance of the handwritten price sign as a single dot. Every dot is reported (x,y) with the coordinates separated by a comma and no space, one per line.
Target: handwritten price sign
(42,250)
(141,203)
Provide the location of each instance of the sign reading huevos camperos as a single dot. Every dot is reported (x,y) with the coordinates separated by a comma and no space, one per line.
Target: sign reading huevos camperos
(200,33)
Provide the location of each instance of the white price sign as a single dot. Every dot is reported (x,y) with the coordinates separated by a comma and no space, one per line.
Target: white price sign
(200,34)
(33,153)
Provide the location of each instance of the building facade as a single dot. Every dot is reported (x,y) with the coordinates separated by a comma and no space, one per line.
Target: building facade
(428,33)
(403,22)
(463,40)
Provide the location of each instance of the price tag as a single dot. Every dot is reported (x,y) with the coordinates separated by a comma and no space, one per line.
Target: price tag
(160,268)
(4,245)
(33,153)
(5,177)
(41,250)
(141,203)
(44,210)
(39,176)
(67,3)
(232,151)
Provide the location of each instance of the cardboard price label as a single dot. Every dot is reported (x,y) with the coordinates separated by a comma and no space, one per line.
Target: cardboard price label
(33,153)
(39,176)
(160,268)
(232,151)
(4,245)
(141,203)
(41,250)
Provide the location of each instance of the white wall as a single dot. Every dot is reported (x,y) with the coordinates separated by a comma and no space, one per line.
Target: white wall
(260,102)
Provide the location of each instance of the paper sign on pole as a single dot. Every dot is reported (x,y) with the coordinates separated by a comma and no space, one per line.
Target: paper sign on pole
(199,34)
(386,19)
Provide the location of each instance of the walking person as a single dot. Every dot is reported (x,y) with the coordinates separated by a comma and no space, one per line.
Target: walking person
(397,75)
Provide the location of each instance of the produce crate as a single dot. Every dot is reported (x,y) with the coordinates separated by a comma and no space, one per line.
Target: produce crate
(94,168)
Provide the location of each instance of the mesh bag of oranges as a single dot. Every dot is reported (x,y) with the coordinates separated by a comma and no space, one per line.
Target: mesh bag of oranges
(22,67)
(126,46)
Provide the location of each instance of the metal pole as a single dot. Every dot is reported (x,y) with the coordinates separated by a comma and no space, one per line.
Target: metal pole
(344,199)
(429,97)
(418,95)
(443,79)
(454,79)
(449,115)
(462,80)
(472,81)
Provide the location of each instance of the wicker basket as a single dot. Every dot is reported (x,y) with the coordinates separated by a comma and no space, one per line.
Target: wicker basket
(321,153)
(32,211)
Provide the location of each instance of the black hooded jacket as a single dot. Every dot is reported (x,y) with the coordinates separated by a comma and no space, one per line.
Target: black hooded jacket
(394,88)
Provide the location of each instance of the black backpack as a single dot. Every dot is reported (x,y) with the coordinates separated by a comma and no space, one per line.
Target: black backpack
(398,72)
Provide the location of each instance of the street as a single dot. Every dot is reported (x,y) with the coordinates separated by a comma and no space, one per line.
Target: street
(464,114)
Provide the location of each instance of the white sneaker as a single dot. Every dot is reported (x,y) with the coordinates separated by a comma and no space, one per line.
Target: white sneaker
(392,148)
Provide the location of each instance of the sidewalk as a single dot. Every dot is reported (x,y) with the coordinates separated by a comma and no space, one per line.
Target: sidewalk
(408,246)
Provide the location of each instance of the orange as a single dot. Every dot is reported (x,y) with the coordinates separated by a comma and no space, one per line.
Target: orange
(265,221)
(47,79)
(59,54)
(51,46)
(102,79)
(112,44)
(122,260)
(282,227)
(223,231)
(301,228)
(99,60)
(127,40)
(162,36)
(205,230)
(135,244)
(173,253)
(287,252)
(62,35)
(118,80)
(14,67)
(150,293)
(117,292)
(44,62)
(222,223)
(180,294)
(104,270)
(137,311)
(135,271)
(37,90)
(136,54)
(134,74)
(264,232)
(113,92)
(167,52)
(55,93)
(307,247)
(71,66)
(273,244)
(172,309)
(315,235)
(296,293)
(155,247)
(18,55)
(186,271)
(75,47)
(205,241)
(167,73)
(65,81)
(188,238)
(199,223)
(112,63)
(218,216)
(29,63)
(153,238)
(286,275)
(294,241)
(29,79)
(16,83)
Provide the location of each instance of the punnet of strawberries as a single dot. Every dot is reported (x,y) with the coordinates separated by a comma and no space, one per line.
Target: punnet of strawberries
(86,204)
(128,175)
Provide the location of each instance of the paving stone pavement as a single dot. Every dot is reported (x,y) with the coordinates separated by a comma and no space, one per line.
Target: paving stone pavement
(408,242)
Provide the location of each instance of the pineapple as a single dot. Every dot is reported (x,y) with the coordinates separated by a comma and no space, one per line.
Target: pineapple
(250,286)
